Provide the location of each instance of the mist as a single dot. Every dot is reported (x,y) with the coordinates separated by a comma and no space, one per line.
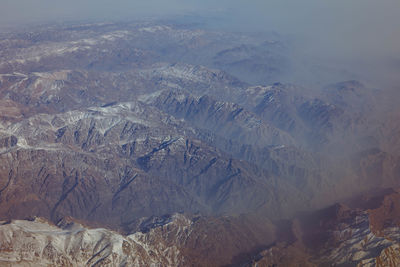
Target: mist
(361,37)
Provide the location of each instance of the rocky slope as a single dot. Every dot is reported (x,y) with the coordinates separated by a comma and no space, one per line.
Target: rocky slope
(37,242)
(165,241)
(342,236)
(336,236)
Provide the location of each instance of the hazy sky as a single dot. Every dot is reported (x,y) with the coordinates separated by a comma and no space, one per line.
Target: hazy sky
(358,30)
(339,22)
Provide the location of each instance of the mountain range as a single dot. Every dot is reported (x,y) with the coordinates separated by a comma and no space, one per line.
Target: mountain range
(159,144)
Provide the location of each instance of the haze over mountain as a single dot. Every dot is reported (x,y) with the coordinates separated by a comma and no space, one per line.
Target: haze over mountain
(349,39)
(179,143)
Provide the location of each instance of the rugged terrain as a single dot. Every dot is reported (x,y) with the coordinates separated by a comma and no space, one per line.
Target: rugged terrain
(116,124)
(366,234)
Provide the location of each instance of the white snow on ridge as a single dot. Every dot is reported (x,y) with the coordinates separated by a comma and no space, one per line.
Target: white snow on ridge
(39,243)
(153,29)
(114,35)
(148,98)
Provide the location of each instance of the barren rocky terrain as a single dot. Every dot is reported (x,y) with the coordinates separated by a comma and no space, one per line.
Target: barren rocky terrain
(132,144)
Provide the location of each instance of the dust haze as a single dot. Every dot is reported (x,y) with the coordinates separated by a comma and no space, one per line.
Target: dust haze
(359,37)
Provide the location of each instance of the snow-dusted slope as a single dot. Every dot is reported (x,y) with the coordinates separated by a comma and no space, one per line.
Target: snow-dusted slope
(40,243)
